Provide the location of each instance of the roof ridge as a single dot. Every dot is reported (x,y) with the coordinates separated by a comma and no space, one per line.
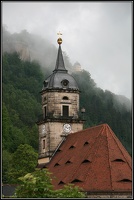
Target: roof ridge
(118,144)
(95,140)
(86,175)
(52,78)
(84,130)
(109,157)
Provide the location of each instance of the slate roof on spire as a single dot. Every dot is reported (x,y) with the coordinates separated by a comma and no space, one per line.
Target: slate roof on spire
(59,76)
(93,159)
(60,62)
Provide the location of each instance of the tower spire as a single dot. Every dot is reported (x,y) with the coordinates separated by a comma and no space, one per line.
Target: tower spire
(60,62)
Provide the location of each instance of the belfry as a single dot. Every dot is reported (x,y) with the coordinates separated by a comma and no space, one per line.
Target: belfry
(60,109)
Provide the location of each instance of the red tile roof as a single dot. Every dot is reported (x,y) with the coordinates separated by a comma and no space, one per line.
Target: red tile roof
(93,159)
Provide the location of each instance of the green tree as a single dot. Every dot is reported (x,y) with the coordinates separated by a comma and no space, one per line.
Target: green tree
(70,191)
(6,165)
(5,127)
(24,160)
(38,184)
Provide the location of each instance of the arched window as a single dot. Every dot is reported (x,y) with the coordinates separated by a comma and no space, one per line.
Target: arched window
(65,98)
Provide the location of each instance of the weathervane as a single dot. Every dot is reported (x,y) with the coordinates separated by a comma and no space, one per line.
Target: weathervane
(59,39)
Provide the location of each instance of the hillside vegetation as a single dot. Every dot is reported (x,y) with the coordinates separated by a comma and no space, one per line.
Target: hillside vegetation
(22,80)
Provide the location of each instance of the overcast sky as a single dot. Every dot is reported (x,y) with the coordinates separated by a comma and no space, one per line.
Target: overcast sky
(98,35)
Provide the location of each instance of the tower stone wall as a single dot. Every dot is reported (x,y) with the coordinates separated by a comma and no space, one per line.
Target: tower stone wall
(53,101)
(53,135)
(60,109)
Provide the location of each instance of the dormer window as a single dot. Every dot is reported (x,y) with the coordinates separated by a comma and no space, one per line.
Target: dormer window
(68,162)
(125,180)
(86,161)
(56,164)
(76,181)
(61,182)
(118,160)
(86,143)
(64,83)
(71,147)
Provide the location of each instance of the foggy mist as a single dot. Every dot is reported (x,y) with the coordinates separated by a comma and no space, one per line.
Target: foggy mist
(96,34)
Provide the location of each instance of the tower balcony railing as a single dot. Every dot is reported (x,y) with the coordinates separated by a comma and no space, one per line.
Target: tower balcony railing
(58,117)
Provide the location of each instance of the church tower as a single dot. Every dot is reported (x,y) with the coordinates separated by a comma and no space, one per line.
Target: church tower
(60,108)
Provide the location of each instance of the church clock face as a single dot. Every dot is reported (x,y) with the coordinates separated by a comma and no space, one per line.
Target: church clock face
(67,128)
(43,128)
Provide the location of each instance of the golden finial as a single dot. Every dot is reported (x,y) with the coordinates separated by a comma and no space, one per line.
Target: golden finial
(59,39)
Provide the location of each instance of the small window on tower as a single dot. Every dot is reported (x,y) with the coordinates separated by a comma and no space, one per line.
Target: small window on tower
(43,144)
(45,112)
(65,98)
(45,84)
(64,83)
(65,111)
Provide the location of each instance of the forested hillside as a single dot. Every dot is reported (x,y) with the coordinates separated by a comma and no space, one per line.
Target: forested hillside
(104,107)
(22,80)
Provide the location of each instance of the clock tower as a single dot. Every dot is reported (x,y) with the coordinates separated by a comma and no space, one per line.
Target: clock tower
(60,108)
